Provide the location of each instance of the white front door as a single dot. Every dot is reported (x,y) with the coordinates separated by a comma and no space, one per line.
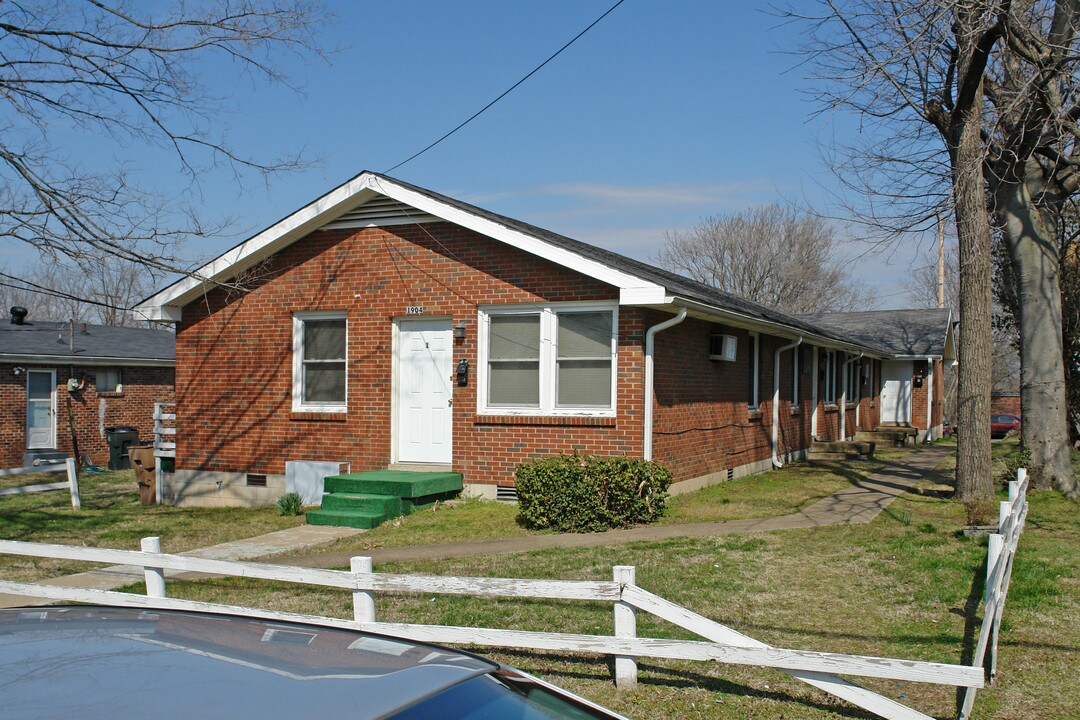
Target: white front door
(40,409)
(896,391)
(424,361)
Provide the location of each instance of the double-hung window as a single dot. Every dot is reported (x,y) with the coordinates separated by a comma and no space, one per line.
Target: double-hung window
(319,361)
(828,360)
(753,375)
(548,360)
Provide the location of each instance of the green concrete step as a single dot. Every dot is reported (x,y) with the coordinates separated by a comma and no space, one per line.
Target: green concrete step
(387,505)
(400,483)
(345,518)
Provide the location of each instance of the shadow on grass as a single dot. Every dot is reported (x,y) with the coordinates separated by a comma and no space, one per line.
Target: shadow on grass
(656,675)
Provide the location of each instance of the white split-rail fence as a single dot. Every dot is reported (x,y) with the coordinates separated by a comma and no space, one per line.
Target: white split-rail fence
(721,643)
(1001,549)
(68,466)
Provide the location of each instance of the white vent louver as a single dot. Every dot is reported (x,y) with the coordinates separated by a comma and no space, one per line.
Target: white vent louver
(378,211)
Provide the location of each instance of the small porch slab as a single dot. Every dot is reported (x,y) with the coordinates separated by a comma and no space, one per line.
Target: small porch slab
(840,450)
(368,499)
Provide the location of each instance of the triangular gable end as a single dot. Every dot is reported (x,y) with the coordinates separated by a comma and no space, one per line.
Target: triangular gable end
(368,200)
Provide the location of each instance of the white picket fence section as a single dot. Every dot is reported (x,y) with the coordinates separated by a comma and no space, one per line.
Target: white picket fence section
(1001,550)
(722,644)
(164,442)
(72,483)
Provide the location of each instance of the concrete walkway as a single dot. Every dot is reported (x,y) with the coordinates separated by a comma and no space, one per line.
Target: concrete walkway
(860,503)
(863,501)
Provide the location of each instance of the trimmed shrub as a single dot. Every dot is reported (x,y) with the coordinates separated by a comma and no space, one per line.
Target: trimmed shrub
(289,504)
(586,493)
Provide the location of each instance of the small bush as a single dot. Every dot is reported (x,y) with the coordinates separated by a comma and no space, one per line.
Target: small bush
(289,504)
(1016,461)
(586,493)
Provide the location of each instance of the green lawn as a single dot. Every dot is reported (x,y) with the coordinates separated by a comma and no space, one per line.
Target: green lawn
(907,585)
(781,492)
(111,516)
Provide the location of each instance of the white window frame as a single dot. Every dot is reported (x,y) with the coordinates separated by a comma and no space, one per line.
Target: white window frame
(795,352)
(753,349)
(298,404)
(829,394)
(549,356)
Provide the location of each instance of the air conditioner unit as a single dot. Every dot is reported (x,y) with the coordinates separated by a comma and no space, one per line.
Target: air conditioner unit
(723,347)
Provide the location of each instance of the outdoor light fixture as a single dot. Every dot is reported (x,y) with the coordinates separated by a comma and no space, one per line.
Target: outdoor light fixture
(18,370)
(459,330)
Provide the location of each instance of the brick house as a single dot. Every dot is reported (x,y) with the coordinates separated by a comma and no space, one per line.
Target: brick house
(385,325)
(106,375)
(918,344)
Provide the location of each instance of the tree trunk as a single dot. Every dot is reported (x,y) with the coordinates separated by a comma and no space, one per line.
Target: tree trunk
(1031,237)
(974,481)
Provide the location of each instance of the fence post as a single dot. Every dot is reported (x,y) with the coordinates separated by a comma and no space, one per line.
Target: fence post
(994,553)
(155,576)
(363,600)
(73,481)
(625,627)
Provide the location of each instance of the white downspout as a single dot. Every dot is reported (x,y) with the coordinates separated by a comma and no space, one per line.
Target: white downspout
(814,393)
(646,450)
(843,398)
(929,400)
(776,401)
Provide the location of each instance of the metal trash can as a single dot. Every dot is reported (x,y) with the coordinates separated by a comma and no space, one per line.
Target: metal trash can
(119,438)
(142,459)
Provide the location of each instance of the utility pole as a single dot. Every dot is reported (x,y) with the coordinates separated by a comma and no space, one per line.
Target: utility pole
(940,262)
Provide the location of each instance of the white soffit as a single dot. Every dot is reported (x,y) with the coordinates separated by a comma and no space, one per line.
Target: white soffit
(345,207)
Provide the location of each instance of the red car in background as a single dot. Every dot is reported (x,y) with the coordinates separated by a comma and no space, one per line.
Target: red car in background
(1002,425)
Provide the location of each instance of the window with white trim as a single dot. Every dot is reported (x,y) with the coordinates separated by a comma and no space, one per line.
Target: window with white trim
(828,371)
(319,361)
(550,360)
(854,371)
(795,375)
(754,371)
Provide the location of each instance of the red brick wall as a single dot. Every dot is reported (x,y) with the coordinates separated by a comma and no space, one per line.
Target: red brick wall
(142,387)
(234,354)
(703,423)
(1005,404)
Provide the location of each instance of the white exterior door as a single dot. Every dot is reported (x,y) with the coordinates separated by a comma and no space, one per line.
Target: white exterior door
(424,427)
(896,391)
(40,409)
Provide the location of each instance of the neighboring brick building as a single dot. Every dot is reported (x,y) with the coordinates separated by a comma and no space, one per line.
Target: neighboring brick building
(387,325)
(115,375)
(918,343)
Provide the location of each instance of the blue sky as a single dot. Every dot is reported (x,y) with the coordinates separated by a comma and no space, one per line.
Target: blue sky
(664,113)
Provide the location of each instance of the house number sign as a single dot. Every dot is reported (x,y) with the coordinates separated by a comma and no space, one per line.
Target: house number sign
(414,310)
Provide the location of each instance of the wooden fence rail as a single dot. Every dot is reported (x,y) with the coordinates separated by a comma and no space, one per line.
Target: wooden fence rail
(721,643)
(1001,549)
(69,466)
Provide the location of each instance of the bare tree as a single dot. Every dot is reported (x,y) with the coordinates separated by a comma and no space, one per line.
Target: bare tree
(127,73)
(959,96)
(774,255)
(100,292)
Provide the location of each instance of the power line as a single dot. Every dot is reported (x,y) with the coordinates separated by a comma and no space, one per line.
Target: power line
(506,92)
(42,290)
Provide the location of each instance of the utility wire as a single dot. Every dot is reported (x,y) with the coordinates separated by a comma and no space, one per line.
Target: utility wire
(42,290)
(506,92)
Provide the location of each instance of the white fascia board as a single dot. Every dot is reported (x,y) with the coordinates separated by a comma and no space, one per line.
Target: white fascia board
(345,198)
(256,248)
(96,361)
(773,328)
(633,285)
